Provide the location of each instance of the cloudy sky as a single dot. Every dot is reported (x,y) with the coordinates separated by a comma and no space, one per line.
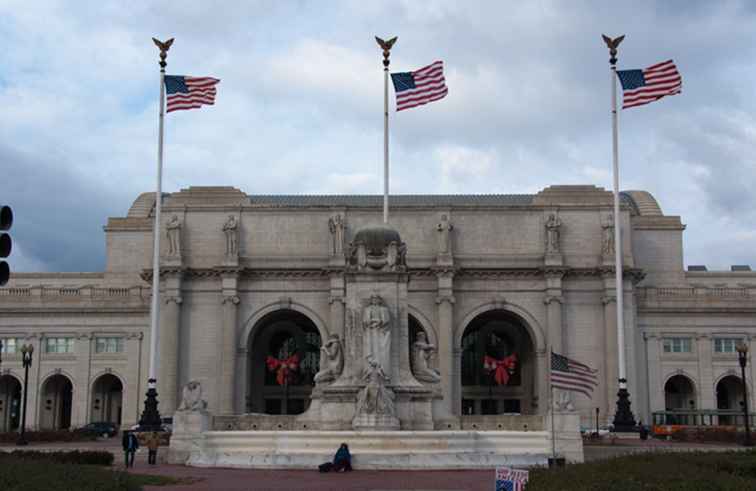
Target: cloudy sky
(299,108)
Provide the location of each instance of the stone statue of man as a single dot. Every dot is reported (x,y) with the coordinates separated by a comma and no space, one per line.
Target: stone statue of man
(376,337)
(191,397)
(231,228)
(422,351)
(173,231)
(444,229)
(552,233)
(607,237)
(336,226)
(331,360)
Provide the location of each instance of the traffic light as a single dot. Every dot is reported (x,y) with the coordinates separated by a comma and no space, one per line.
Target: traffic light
(6,221)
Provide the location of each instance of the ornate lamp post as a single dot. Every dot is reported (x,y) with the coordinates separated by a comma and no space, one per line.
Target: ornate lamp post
(26,354)
(743,359)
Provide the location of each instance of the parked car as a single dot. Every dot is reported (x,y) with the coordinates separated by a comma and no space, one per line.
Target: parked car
(99,429)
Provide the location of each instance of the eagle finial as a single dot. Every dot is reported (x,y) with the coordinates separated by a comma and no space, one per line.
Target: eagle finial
(386,47)
(163,46)
(612,44)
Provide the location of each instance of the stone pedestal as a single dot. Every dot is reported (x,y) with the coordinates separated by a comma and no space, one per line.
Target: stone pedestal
(566,441)
(188,427)
(375,422)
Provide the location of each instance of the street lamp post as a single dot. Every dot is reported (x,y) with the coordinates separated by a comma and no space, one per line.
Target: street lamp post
(26,354)
(743,359)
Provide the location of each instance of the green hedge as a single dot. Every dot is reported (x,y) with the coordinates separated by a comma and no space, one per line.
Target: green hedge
(654,471)
(47,436)
(61,457)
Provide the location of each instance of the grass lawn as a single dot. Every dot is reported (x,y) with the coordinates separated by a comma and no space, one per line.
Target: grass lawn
(30,475)
(654,471)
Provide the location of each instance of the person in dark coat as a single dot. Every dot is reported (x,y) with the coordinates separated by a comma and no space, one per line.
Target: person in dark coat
(342,461)
(130,444)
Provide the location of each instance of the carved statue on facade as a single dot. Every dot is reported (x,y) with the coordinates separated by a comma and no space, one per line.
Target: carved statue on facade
(173,231)
(191,397)
(444,229)
(231,229)
(552,234)
(337,226)
(562,401)
(607,237)
(331,360)
(375,397)
(376,332)
(422,351)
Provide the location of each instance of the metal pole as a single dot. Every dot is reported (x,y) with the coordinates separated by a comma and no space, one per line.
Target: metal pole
(386,47)
(623,418)
(26,352)
(151,417)
(743,358)
(385,143)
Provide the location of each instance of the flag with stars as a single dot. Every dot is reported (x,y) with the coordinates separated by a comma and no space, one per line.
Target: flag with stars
(419,87)
(508,479)
(650,84)
(569,374)
(189,92)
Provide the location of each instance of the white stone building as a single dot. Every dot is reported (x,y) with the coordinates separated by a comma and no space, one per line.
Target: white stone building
(487,275)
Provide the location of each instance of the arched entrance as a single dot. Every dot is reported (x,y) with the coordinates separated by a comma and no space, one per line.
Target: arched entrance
(497,334)
(679,394)
(10,403)
(281,335)
(729,398)
(107,399)
(55,404)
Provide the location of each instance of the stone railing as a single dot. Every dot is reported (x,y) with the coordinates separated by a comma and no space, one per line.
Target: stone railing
(83,292)
(695,293)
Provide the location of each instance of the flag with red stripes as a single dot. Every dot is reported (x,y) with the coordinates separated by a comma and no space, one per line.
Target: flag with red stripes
(650,84)
(419,87)
(569,374)
(189,92)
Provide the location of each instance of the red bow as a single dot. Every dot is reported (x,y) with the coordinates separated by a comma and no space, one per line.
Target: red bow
(285,367)
(502,368)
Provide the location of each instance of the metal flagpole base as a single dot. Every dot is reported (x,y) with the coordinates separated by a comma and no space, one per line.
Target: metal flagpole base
(624,421)
(150,420)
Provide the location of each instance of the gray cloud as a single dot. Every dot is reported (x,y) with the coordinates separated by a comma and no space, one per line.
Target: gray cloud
(300,108)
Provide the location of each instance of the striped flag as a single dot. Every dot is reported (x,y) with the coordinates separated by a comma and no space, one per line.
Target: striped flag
(189,92)
(419,87)
(569,374)
(508,479)
(643,86)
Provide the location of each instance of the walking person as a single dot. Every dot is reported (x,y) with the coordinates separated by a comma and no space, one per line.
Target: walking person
(130,444)
(153,443)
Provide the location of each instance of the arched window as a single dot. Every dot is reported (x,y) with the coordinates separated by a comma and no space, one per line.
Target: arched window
(280,336)
(497,336)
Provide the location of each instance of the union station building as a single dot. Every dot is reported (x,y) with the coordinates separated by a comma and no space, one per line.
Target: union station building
(245,278)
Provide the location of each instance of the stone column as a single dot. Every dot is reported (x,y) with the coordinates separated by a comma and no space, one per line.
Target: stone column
(32,401)
(705,387)
(655,388)
(336,302)
(228,347)
(445,301)
(135,372)
(610,354)
(81,396)
(543,359)
(456,380)
(168,344)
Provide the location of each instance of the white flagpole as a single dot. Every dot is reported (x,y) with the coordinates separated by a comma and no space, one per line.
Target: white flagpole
(386,46)
(151,416)
(385,144)
(623,417)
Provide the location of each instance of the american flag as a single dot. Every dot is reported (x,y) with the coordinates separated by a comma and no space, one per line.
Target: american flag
(419,87)
(189,92)
(508,479)
(648,85)
(569,374)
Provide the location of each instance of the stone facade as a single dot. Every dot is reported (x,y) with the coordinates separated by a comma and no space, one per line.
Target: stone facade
(536,264)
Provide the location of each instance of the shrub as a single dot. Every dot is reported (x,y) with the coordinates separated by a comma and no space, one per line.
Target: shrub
(61,457)
(704,434)
(47,436)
